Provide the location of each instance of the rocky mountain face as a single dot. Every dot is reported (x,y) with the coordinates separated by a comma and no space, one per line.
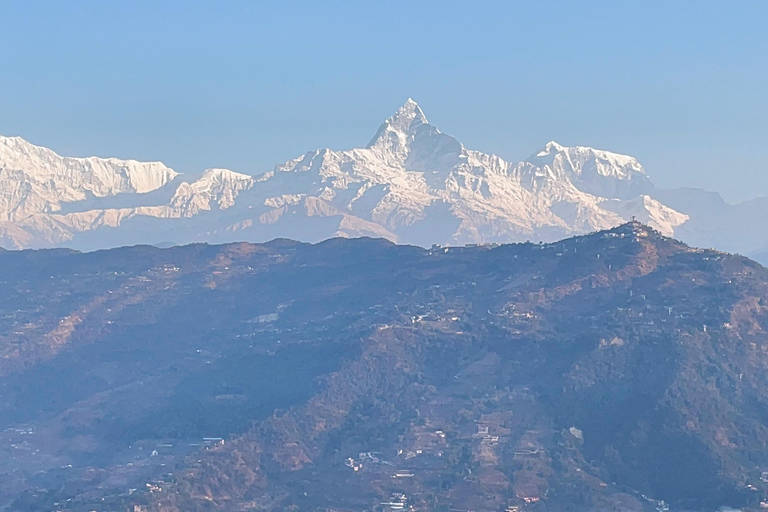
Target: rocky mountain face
(619,371)
(411,184)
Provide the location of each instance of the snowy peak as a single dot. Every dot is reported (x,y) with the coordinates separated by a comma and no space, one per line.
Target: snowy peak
(550,148)
(580,158)
(36,180)
(407,117)
(597,172)
(222,176)
(402,124)
(102,176)
(412,183)
(216,188)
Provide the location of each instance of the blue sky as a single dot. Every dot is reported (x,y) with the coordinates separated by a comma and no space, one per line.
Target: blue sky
(244,85)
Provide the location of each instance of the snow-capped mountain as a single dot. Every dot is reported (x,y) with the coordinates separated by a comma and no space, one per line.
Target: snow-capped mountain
(410,184)
(423,186)
(37,180)
(593,171)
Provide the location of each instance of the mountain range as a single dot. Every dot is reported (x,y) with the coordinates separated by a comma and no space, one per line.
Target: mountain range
(411,184)
(621,371)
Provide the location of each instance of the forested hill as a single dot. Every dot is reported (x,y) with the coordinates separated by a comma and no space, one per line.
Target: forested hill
(620,370)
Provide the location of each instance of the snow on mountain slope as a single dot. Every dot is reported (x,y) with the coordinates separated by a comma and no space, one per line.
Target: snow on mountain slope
(411,184)
(594,171)
(648,211)
(36,180)
(59,202)
(425,186)
(218,187)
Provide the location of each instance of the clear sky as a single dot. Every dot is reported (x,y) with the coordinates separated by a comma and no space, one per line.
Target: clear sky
(683,86)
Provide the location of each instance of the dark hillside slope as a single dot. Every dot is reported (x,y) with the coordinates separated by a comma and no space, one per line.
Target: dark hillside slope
(605,372)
